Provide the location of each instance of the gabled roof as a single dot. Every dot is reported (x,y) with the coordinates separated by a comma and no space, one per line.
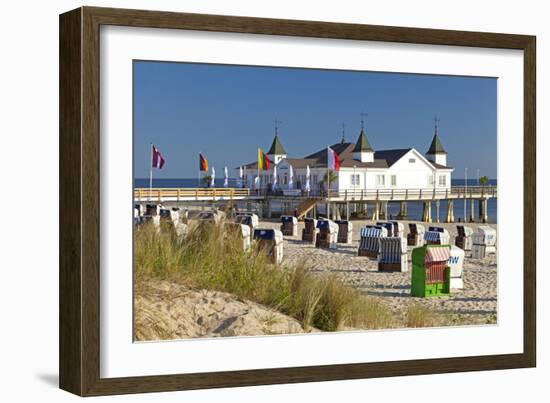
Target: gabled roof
(382,158)
(436,147)
(277,147)
(362,144)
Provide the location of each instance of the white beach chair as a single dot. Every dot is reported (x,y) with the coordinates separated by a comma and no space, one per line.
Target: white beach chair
(464,238)
(328,234)
(249,219)
(271,240)
(241,231)
(416,235)
(456,264)
(345,231)
(484,241)
(398,228)
(310,231)
(289,225)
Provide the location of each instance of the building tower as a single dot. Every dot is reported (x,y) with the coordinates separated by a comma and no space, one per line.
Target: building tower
(276,152)
(363,151)
(436,153)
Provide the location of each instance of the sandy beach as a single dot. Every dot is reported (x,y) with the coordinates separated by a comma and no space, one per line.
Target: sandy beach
(476,303)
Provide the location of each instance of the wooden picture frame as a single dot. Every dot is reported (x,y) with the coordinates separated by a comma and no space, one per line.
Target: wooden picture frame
(80,196)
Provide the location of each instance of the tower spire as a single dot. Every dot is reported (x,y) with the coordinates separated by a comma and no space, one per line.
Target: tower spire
(436,121)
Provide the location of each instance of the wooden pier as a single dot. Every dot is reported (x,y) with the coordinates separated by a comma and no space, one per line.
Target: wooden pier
(302,203)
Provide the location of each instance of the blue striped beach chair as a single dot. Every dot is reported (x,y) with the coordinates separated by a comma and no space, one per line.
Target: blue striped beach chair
(369,245)
(393,254)
(437,236)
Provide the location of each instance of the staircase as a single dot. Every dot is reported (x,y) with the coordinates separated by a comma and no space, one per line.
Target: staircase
(304,207)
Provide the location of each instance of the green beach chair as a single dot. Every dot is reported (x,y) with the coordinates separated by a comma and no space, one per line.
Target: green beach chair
(431,274)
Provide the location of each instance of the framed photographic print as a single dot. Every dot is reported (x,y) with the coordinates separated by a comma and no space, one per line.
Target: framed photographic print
(249,201)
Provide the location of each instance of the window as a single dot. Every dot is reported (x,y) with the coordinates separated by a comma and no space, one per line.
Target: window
(315,179)
(412,160)
(380,180)
(442,180)
(430,180)
(355,178)
(285,179)
(394,180)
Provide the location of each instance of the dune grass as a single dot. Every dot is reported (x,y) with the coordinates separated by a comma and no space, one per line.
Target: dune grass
(212,258)
(421,316)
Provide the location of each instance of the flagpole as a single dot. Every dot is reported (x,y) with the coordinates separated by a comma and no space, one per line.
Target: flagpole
(199,173)
(258,173)
(151,174)
(328,187)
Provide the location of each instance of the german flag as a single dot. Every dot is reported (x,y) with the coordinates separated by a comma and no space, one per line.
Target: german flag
(203,163)
(263,161)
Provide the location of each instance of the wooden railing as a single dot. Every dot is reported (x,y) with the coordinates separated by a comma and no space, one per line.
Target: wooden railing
(458,192)
(178,194)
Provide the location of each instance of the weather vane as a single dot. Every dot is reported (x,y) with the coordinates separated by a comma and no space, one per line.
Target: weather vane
(277,121)
(436,121)
(363,116)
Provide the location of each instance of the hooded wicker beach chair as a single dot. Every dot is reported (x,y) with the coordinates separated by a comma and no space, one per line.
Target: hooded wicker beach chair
(393,254)
(368,244)
(310,231)
(431,274)
(328,234)
(416,234)
(345,231)
(289,225)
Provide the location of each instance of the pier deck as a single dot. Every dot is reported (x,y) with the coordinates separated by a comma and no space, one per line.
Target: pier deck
(219,194)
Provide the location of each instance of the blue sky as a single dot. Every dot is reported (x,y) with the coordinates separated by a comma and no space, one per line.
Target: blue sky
(226,112)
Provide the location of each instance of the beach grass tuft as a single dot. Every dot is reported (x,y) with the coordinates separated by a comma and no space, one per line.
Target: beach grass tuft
(212,258)
(420,316)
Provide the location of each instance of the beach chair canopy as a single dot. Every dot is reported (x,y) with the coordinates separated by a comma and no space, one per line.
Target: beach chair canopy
(289,219)
(345,223)
(437,254)
(436,229)
(268,235)
(464,231)
(327,225)
(485,235)
(399,225)
(248,219)
(373,231)
(243,230)
(387,225)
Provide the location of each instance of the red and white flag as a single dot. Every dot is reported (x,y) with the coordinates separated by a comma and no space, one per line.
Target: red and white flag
(158,160)
(333,160)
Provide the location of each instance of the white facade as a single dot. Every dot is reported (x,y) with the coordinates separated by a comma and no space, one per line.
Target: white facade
(439,158)
(411,171)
